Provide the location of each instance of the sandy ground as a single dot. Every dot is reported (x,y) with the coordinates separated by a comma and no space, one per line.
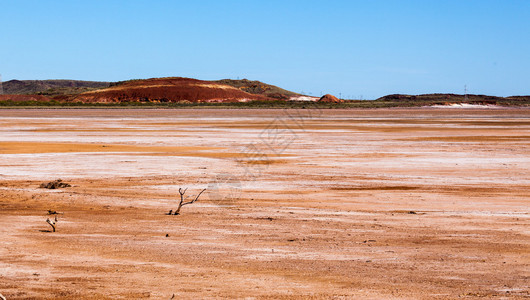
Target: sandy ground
(300,204)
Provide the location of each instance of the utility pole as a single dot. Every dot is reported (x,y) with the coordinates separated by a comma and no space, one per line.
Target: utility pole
(465,92)
(1,87)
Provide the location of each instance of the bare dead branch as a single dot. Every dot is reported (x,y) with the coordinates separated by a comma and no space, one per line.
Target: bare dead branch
(182,203)
(181,192)
(196,198)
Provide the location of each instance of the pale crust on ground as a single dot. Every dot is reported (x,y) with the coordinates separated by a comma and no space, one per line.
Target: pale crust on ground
(332,204)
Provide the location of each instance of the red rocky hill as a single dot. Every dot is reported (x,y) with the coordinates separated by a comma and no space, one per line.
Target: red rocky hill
(171,89)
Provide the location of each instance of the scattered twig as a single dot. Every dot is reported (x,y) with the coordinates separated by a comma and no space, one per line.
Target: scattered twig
(53,224)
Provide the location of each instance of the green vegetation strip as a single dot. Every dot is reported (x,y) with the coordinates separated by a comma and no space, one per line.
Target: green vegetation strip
(250,104)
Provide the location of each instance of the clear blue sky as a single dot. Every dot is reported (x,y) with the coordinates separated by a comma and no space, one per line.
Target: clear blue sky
(368,48)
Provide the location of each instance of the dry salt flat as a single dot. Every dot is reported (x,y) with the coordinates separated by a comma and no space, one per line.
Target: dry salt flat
(387,203)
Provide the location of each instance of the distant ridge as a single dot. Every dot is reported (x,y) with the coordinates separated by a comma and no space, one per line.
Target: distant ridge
(181,90)
(51,87)
(445,99)
(169,89)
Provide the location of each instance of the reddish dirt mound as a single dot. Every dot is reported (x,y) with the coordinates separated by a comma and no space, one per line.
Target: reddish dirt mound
(174,89)
(20,98)
(329,98)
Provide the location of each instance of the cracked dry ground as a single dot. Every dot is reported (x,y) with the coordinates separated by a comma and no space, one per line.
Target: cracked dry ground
(333,204)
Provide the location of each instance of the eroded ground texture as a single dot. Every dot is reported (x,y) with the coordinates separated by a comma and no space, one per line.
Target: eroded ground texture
(300,204)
